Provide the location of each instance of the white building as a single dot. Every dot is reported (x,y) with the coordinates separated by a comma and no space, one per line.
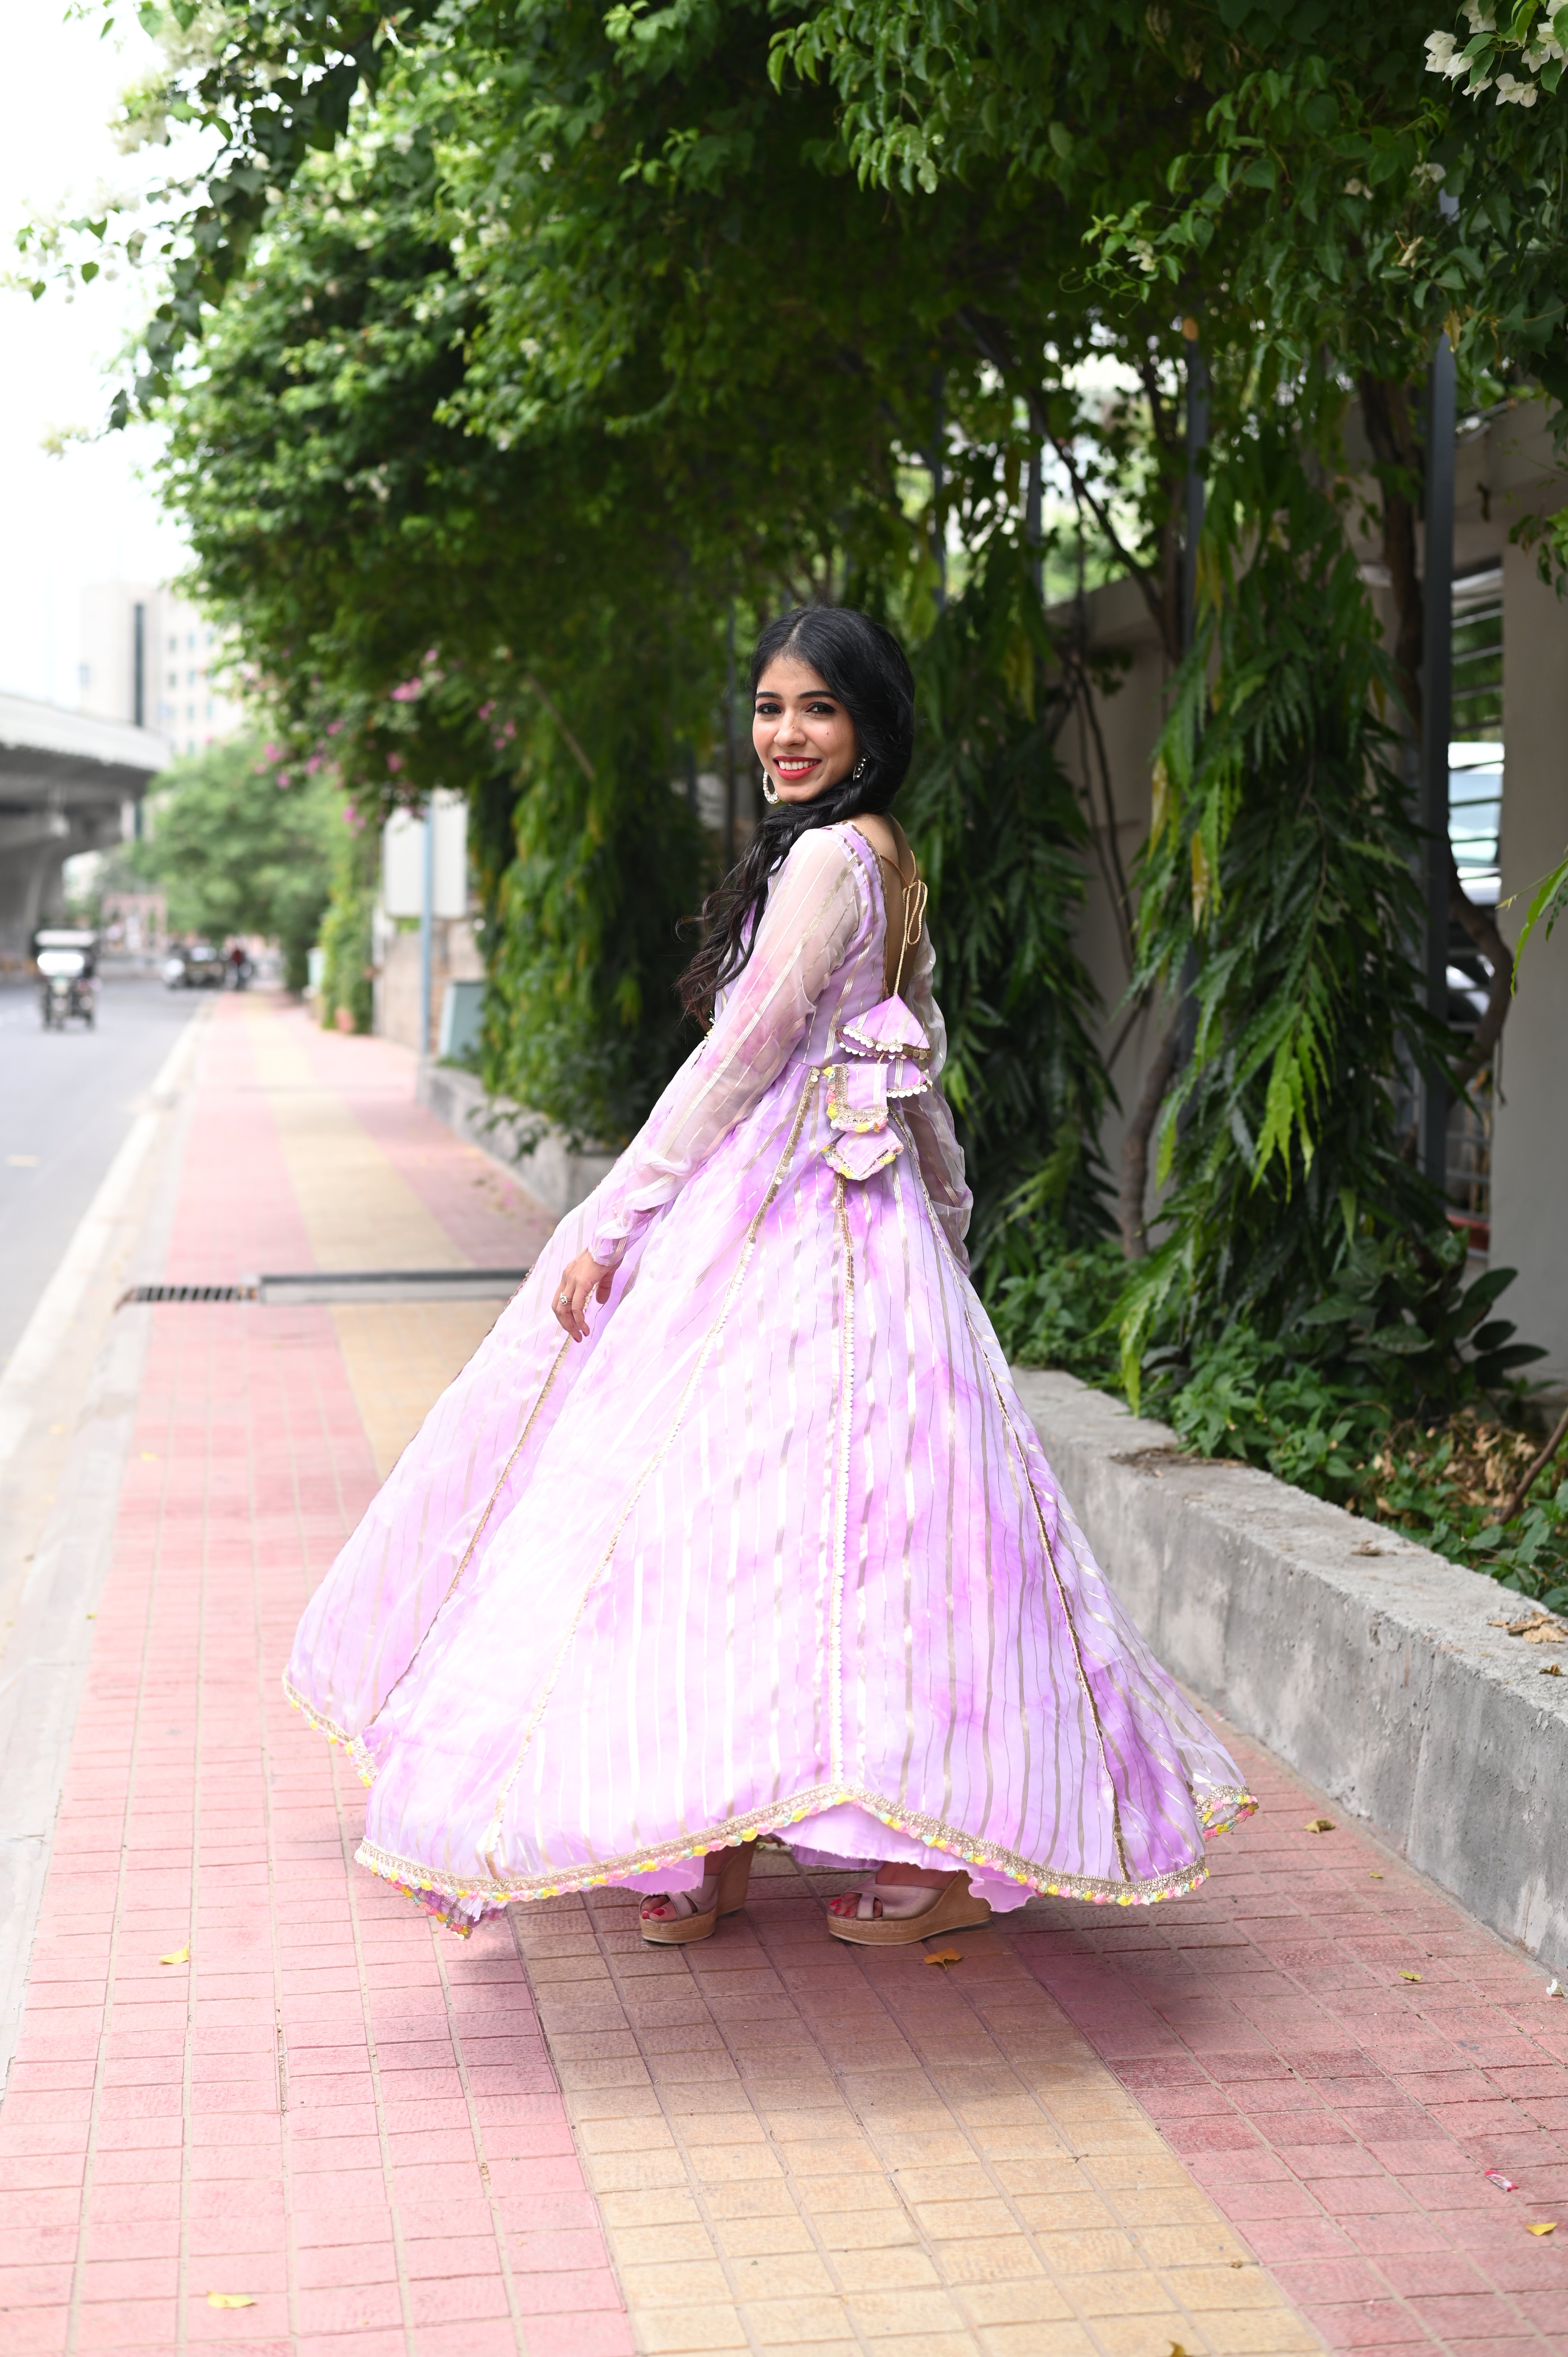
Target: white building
(149,657)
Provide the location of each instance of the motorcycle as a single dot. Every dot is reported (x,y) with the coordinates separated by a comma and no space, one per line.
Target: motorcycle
(68,985)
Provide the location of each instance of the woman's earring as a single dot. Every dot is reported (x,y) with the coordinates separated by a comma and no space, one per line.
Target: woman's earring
(770,792)
(859,770)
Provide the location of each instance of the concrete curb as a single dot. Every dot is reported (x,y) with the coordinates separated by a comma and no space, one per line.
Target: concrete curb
(523,1146)
(1366,1662)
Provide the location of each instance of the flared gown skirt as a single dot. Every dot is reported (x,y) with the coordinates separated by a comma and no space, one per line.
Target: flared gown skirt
(775,1551)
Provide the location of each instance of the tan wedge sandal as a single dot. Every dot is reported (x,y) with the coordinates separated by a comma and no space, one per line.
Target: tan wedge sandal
(903,1921)
(698,1911)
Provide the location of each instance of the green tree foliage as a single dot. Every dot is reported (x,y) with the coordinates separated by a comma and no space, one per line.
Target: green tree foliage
(1279,874)
(237,849)
(347,945)
(589,326)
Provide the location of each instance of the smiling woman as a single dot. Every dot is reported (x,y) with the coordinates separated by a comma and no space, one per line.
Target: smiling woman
(765,1544)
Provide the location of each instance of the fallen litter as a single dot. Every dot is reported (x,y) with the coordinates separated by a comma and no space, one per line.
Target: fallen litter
(229,2300)
(1504,2184)
(1320,1825)
(1409,1976)
(177,1956)
(1544,2226)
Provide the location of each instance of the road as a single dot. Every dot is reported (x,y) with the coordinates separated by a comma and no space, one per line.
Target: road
(66,1100)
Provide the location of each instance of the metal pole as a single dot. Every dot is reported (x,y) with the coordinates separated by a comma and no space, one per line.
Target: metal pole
(1033,530)
(1197,443)
(939,487)
(1437,712)
(426,926)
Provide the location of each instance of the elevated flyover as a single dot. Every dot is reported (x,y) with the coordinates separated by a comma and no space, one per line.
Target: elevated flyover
(65,778)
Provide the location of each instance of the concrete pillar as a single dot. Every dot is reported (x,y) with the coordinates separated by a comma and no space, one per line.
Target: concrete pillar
(1530,1150)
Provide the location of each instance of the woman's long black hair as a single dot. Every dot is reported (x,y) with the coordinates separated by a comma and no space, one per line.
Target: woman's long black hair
(863,665)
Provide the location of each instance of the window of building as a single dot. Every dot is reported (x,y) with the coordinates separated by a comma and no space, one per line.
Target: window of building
(1475,825)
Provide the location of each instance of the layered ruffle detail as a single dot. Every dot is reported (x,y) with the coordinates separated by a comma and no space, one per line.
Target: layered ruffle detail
(886,1052)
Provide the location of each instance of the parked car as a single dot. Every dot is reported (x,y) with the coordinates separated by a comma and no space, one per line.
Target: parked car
(195,965)
(67,987)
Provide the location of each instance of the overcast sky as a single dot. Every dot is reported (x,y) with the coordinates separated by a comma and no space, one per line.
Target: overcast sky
(87,515)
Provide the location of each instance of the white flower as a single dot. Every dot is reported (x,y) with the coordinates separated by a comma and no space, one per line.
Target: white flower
(1143,254)
(1432,175)
(1357,188)
(1516,93)
(1480,20)
(1440,53)
(1542,52)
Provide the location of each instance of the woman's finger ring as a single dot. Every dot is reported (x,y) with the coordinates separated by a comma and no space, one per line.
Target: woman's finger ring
(561,1299)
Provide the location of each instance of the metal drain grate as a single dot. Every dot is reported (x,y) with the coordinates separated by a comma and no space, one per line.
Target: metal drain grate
(187,1293)
(318,1285)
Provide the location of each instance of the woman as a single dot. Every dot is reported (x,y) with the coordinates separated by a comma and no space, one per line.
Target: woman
(735,1526)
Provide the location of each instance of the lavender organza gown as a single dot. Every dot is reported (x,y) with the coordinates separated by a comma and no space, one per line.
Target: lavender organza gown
(776,1550)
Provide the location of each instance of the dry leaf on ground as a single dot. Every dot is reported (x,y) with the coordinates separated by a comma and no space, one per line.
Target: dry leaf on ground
(1320,1825)
(1544,2226)
(1536,1628)
(945,1957)
(177,1956)
(229,2300)
(1409,1976)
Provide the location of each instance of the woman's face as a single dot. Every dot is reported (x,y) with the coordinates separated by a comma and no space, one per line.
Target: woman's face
(804,735)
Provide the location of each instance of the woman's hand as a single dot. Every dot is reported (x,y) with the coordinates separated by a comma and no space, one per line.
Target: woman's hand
(580,1279)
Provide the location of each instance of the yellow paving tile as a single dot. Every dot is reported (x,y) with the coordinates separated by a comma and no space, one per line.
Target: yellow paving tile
(995,2258)
(1031,2340)
(676,2283)
(783,2275)
(661,2245)
(884,2267)
(401,1357)
(672,2331)
(753,2238)
(796,2150)
(1206,2290)
(358,1212)
(1121,2334)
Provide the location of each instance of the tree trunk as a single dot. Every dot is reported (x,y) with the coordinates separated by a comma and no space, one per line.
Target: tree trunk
(1135,1145)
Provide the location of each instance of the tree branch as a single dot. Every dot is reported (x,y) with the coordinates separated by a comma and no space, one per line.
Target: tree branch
(992,344)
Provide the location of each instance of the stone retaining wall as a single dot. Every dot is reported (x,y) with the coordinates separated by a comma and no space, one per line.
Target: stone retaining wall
(1367,1662)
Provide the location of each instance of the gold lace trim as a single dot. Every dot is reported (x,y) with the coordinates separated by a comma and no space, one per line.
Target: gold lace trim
(1222,1809)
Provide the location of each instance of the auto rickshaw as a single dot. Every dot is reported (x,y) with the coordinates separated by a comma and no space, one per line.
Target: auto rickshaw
(68,983)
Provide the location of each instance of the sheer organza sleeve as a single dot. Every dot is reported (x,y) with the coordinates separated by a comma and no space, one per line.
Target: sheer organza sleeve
(931,1116)
(812,911)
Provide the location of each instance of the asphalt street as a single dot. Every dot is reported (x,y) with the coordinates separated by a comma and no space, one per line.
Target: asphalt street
(67,1099)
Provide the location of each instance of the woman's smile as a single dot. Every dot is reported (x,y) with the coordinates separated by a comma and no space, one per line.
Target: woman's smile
(804,737)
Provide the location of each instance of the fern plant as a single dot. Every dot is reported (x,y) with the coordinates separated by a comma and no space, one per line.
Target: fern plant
(1278,884)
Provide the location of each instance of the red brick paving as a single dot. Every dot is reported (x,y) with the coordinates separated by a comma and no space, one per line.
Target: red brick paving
(354,2123)
(1343,2118)
(328,2110)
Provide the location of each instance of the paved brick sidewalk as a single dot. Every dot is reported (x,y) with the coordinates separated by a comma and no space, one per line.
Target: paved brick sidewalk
(1224,2125)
